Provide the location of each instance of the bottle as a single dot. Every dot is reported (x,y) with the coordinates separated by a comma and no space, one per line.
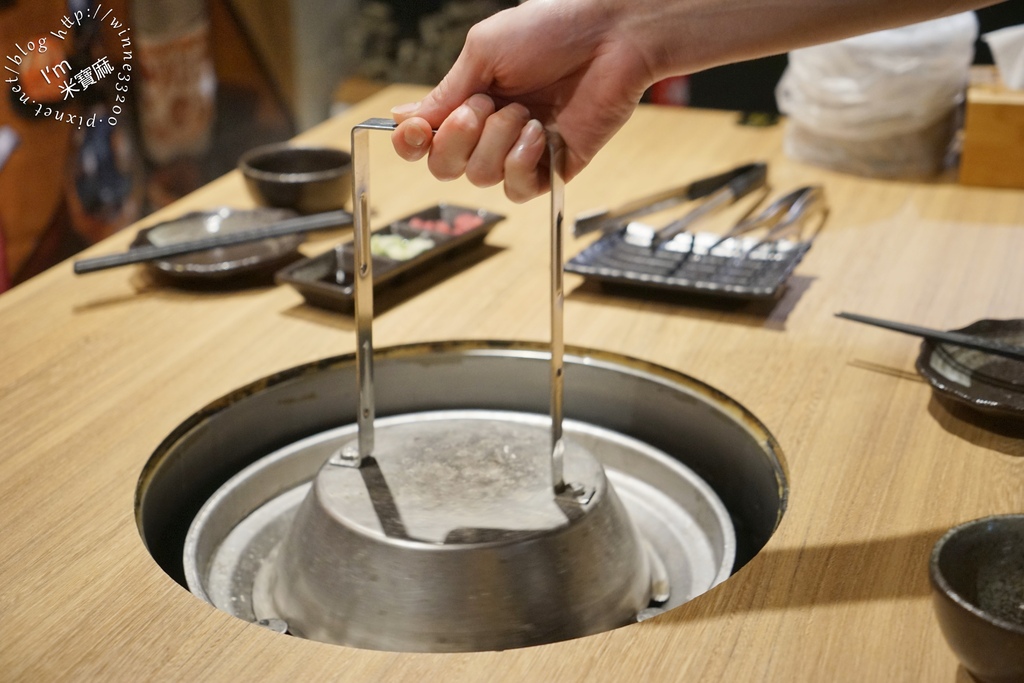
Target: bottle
(177,86)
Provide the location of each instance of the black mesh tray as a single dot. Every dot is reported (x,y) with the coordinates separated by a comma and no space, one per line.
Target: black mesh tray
(698,263)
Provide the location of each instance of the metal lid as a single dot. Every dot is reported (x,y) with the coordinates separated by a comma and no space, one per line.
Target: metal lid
(450,537)
(445,481)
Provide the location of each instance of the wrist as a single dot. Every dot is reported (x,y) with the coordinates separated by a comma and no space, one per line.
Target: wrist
(652,31)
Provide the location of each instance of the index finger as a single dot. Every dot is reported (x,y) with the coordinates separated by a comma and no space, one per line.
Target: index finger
(411,138)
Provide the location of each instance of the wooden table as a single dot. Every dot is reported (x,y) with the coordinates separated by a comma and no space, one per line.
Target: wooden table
(96,370)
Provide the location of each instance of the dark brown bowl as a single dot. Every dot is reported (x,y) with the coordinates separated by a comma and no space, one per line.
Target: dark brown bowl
(304,179)
(977,574)
(251,262)
(983,382)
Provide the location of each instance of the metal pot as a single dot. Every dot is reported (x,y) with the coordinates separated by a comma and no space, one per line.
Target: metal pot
(657,435)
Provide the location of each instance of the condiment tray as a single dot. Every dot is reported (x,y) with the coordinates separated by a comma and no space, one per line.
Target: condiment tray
(328,280)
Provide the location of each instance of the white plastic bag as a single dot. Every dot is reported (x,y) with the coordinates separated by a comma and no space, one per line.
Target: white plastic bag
(881,104)
(1007,45)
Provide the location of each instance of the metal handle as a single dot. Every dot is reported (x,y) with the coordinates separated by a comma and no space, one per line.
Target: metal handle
(739,182)
(788,213)
(363,291)
(556,154)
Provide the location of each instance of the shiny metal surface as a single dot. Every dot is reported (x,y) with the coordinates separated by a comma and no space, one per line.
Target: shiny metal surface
(556,155)
(458,546)
(488,506)
(712,192)
(363,296)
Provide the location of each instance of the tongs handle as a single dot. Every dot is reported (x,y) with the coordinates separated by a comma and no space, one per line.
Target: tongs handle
(363,295)
(739,181)
(611,220)
(716,196)
(785,214)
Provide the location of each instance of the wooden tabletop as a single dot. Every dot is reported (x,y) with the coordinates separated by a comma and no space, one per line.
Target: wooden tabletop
(96,370)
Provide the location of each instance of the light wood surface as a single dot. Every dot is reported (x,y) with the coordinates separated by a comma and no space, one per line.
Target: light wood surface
(96,370)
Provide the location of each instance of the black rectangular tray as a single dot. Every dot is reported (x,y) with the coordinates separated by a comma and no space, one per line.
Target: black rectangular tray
(322,283)
(733,268)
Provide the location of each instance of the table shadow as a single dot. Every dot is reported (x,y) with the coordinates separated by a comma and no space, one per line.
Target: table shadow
(1002,434)
(824,575)
(771,314)
(993,432)
(898,373)
(145,284)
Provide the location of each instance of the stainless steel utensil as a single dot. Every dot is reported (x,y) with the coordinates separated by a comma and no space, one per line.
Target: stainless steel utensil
(357,455)
(787,214)
(746,181)
(713,193)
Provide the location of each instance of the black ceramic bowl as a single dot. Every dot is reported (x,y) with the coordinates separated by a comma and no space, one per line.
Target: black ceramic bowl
(304,179)
(977,573)
(982,382)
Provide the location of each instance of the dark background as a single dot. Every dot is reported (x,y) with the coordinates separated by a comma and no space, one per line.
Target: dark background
(750,86)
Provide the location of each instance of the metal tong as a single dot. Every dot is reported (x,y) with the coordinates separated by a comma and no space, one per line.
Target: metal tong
(713,193)
(355,455)
(786,215)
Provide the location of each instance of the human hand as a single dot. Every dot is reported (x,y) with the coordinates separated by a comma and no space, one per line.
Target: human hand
(581,67)
(569,64)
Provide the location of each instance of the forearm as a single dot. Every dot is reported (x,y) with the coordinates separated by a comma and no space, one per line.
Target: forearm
(684,36)
(582,65)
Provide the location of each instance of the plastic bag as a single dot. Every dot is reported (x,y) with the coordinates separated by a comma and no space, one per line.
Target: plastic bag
(881,104)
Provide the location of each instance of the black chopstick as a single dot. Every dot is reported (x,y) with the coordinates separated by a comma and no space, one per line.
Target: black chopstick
(290,226)
(969,341)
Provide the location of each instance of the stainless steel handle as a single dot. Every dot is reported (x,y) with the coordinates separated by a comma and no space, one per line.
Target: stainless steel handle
(363,292)
(556,154)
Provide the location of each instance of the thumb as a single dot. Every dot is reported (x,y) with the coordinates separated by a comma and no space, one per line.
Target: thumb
(466,78)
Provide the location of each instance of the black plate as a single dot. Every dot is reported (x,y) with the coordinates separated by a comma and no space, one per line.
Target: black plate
(984,382)
(221,263)
(733,268)
(322,283)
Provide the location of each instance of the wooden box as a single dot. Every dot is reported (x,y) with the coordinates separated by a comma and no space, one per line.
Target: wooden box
(993,140)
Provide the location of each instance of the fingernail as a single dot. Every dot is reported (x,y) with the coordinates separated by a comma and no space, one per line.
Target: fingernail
(414,136)
(405,109)
(533,133)
(481,104)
